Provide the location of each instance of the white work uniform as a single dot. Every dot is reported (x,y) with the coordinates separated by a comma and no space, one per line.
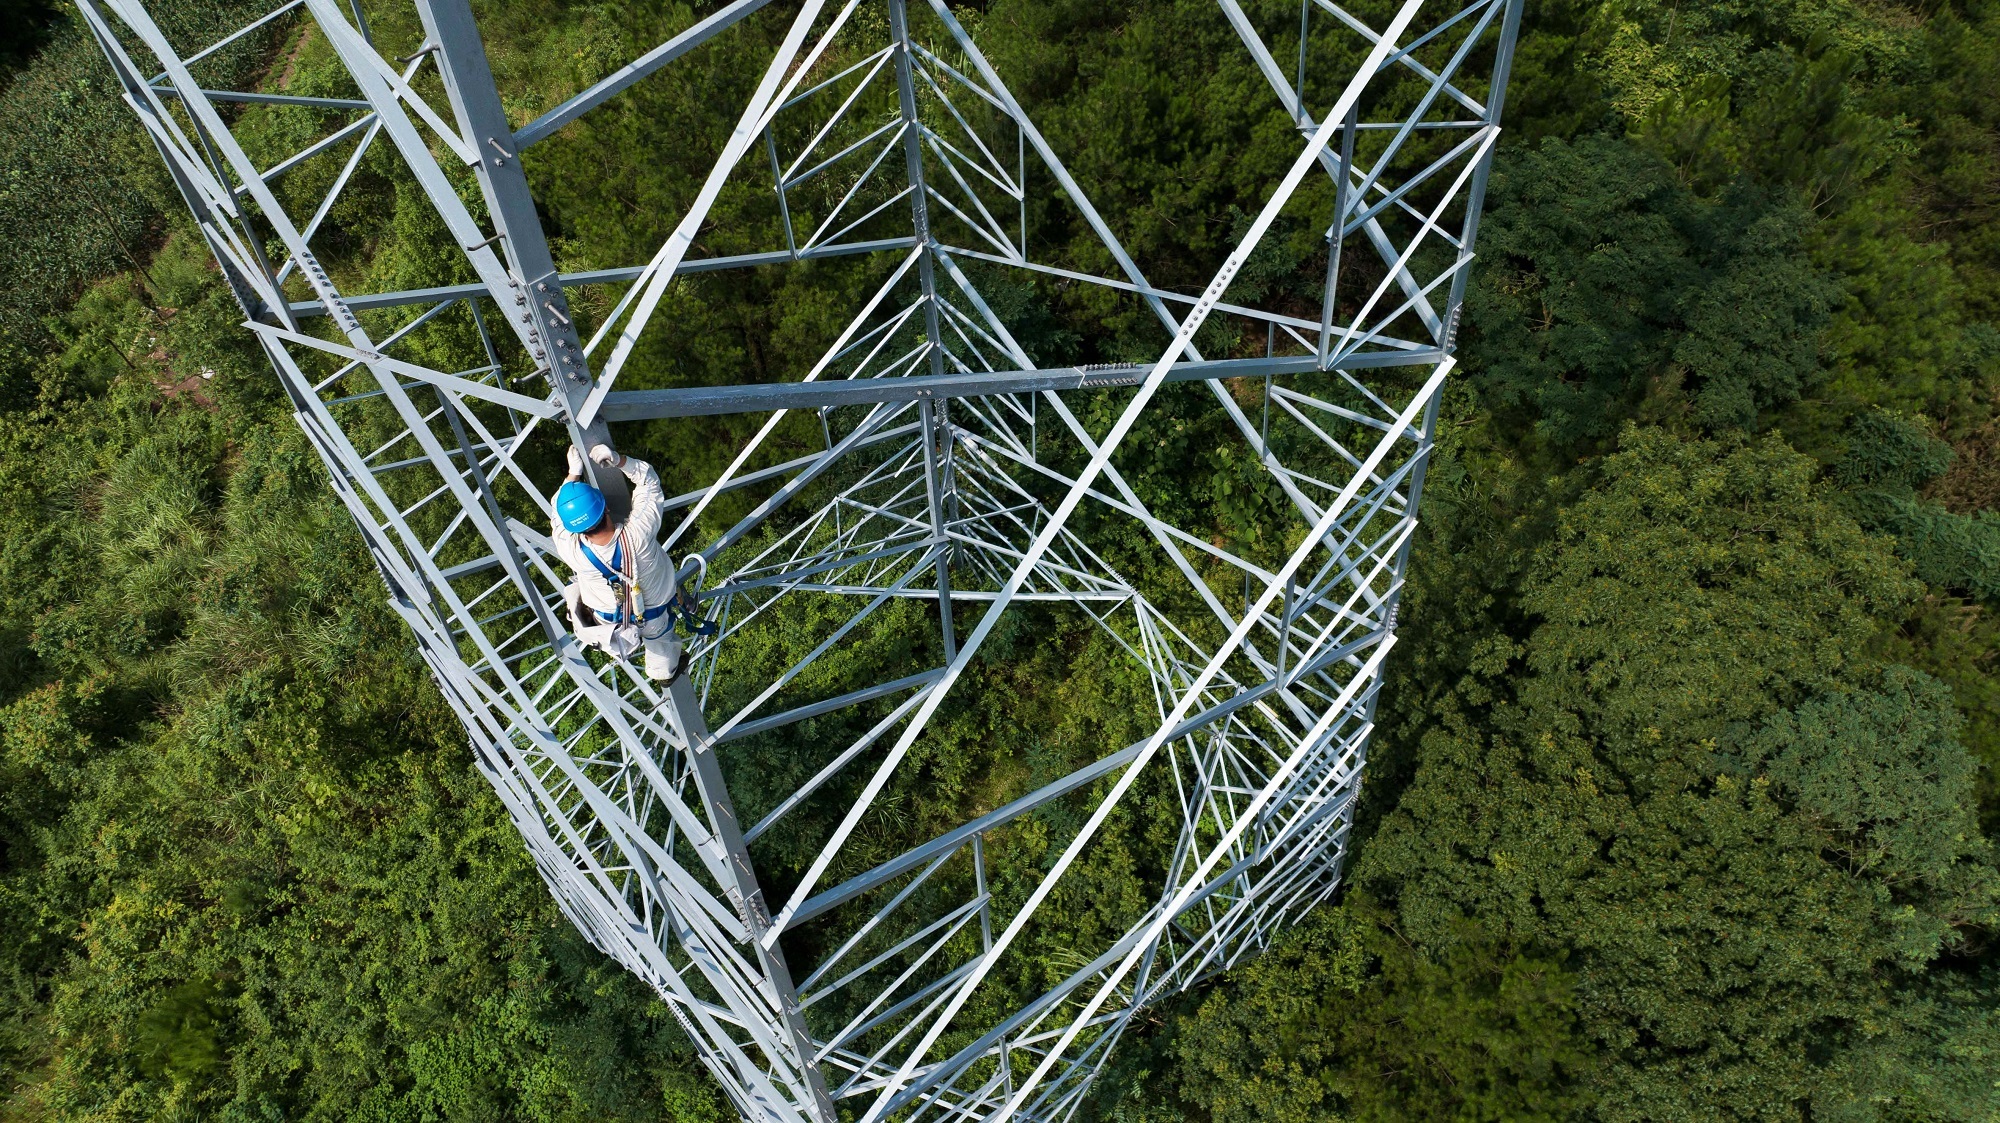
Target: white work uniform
(649,567)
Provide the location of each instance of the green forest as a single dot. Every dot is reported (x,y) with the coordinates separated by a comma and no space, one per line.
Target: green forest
(1684,793)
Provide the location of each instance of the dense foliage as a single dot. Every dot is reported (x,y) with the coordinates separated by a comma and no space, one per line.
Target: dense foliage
(1683,798)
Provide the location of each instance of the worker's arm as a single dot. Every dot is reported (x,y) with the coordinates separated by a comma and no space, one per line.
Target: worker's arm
(648,497)
(558,533)
(556,529)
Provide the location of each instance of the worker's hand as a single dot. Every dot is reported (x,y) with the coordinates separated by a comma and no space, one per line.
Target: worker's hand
(575,463)
(602,454)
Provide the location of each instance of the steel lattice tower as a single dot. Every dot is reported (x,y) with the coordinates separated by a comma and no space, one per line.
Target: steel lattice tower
(885,977)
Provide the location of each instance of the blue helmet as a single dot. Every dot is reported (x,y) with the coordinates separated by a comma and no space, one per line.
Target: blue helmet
(579,506)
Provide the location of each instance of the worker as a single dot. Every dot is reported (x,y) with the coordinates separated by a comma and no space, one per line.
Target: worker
(625,591)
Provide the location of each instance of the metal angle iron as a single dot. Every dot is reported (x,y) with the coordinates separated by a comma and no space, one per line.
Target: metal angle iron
(742,840)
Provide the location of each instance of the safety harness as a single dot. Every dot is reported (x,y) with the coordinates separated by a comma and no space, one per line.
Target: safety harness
(624,586)
(621,581)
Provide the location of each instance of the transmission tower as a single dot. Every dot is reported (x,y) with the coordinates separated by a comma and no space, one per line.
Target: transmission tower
(829,959)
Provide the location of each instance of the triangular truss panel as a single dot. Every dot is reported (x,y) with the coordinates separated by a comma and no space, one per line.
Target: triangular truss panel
(748,841)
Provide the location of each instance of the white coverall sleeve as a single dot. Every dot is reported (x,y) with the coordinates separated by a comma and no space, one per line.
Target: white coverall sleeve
(649,500)
(557,531)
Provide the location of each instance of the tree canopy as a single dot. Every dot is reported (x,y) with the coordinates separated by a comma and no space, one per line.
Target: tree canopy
(1684,786)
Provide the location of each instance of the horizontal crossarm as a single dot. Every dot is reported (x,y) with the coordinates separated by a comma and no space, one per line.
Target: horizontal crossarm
(704,401)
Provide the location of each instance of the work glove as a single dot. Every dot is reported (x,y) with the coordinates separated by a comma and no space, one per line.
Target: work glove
(602,454)
(575,462)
